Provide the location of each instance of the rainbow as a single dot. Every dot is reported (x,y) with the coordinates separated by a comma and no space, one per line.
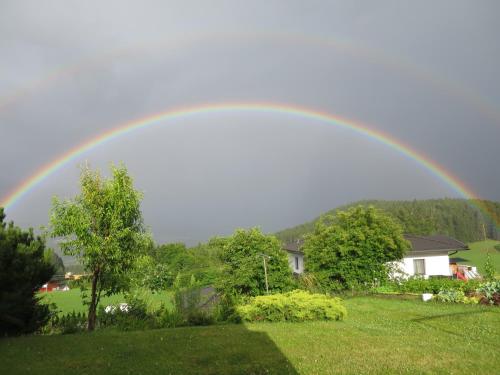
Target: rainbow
(170,115)
(355,49)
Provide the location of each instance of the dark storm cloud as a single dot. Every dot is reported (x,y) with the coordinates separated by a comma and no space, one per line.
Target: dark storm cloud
(209,174)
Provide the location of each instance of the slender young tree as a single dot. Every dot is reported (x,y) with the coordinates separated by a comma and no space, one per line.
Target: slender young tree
(103,228)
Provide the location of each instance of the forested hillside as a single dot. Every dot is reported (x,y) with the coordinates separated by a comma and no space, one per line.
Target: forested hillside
(458,218)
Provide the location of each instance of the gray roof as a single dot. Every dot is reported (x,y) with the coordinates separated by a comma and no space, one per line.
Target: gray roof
(419,244)
(436,243)
(294,247)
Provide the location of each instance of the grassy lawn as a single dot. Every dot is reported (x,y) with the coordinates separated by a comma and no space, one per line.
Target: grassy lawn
(380,335)
(71,300)
(476,256)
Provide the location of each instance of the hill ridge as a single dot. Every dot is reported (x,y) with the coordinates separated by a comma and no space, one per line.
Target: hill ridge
(455,217)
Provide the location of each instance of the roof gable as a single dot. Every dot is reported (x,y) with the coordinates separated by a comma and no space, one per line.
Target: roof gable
(438,243)
(435,243)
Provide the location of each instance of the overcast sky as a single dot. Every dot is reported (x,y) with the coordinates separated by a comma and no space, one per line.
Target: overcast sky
(425,72)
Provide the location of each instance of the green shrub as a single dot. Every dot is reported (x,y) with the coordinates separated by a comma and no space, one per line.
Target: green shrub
(490,292)
(225,310)
(296,306)
(431,285)
(389,288)
(129,316)
(166,318)
(451,295)
(69,323)
(471,300)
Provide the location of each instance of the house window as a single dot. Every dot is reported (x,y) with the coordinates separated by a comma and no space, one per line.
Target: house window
(419,266)
(296,263)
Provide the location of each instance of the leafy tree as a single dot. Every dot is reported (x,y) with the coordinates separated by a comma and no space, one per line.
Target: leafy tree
(202,261)
(103,228)
(173,254)
(23,270)
(353,247)
(243,253)
(148,274)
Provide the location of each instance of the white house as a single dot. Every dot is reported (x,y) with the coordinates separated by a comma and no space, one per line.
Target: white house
(295,256)
(428,256)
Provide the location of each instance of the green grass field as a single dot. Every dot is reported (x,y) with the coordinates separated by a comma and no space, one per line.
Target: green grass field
(380,336)
(476,256)
(71,300)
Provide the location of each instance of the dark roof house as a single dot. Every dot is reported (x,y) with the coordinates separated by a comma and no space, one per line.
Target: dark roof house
(428,255)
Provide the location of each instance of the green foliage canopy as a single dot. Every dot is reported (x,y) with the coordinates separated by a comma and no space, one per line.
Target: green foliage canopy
(201,261)
(242,254)
(353,247)
(148,274)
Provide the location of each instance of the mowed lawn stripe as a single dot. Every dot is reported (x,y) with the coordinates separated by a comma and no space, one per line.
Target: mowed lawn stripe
(379,336)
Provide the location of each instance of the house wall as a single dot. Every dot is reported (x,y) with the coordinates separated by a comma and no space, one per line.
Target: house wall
(291,262)
(435,264)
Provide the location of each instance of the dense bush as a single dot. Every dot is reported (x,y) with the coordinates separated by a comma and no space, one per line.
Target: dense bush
(226,309)
(352,248)
(243,255)
(168,318)
(128,316)
(296,306)
(69,323)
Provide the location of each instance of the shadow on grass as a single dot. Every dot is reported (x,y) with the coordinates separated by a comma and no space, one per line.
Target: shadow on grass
(451,331)
(223,349)
(450,315)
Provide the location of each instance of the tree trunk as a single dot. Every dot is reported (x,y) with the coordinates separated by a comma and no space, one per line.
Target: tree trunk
(93,302)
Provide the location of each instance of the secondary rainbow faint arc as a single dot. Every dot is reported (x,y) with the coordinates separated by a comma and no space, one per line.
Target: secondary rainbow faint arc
(169,115)
(355,49)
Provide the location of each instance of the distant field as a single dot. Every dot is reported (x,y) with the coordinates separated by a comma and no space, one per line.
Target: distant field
(71,300)
(379,336)
(477,255)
